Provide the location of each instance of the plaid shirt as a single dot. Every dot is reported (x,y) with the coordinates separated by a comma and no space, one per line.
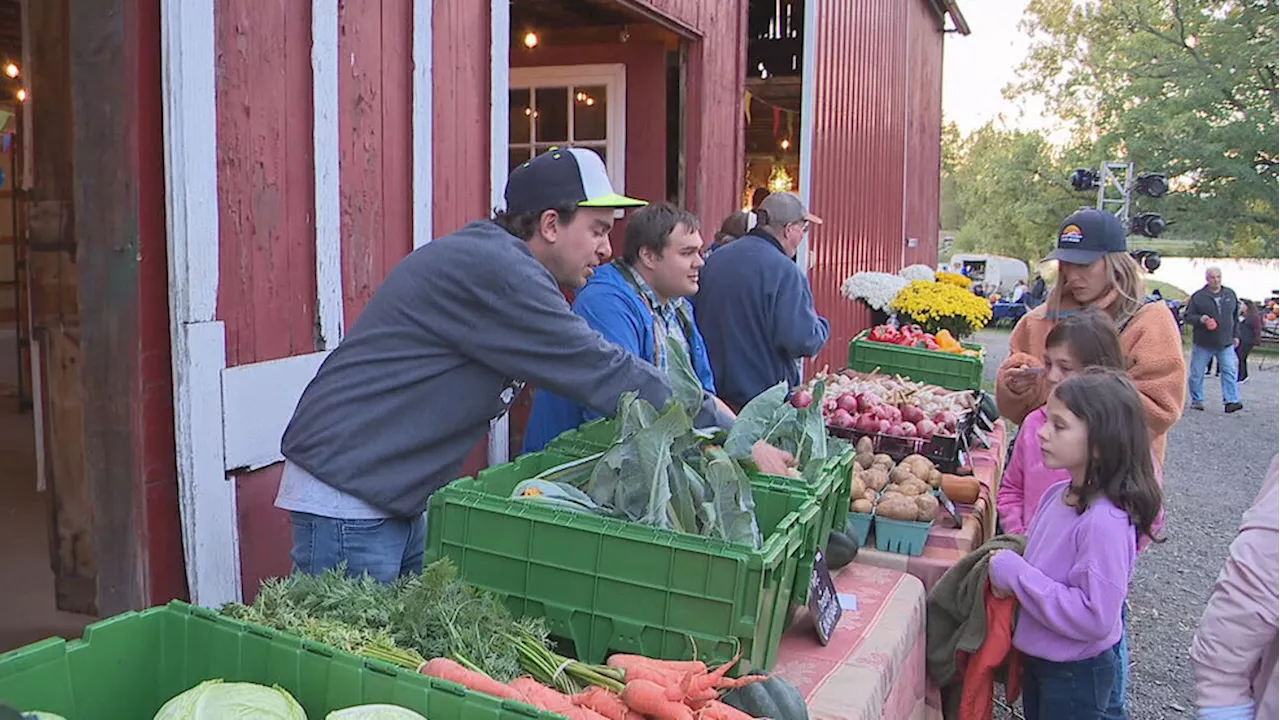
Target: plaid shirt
(667,317)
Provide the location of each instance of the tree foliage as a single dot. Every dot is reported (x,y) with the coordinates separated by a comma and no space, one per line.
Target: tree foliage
(1009,189)
(1185,87)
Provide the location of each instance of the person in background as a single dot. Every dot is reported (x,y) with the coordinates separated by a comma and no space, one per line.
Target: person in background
(1213,312)
(1248,335)
(1096,271)
(758,197)
(1038,291)
(1072,581)
(754,305)
(1234,652)
(1019,292)
(637,302)
(733,227)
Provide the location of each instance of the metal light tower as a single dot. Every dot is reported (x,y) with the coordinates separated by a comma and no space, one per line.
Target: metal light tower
(1113,189)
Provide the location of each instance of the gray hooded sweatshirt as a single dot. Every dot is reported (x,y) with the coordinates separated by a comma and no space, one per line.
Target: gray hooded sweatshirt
(440,350)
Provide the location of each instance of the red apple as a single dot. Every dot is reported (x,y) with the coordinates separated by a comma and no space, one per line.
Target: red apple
(801,399)
(926,428)
(905,429)
(848,403)
(841,418)
(867,401)
(885,426)
(912,414)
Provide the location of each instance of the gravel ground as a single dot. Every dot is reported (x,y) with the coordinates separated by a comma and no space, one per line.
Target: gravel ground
(1213,469)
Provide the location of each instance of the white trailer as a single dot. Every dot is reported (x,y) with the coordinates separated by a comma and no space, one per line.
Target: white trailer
(994,273)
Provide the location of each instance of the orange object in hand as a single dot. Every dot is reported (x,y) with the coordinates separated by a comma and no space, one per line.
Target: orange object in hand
(1211,324)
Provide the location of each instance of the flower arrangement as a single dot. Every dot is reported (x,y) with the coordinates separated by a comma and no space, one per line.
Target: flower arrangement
(876,289)
(939,306)
(954,279)
(917,272)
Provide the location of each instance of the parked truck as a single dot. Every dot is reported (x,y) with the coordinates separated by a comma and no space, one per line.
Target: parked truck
(993,273)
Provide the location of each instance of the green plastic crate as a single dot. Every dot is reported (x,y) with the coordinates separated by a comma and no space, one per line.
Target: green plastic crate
(130,665)
(609,585)
(587,439)
(954,372)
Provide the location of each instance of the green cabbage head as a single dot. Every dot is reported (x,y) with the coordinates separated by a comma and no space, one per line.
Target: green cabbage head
(214,699)
(374,712)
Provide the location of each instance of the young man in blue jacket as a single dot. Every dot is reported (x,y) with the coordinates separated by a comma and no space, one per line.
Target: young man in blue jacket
(636,302)
(754,305)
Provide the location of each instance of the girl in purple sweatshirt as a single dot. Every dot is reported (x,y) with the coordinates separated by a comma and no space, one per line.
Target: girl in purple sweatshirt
(1072,580)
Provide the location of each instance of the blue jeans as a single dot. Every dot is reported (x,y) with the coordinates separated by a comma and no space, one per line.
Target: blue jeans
(1081,690)
(384,548)
(1119,694)
(1228,365)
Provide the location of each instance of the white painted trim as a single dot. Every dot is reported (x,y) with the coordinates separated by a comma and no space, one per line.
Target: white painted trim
(206,498)
(28,128)
(499,87)
(258,401)
(906,135)
(808,111)
(614,77)
(423,118)
(37,412)
(324,74)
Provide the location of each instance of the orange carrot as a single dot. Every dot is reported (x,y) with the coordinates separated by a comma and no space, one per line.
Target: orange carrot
(698,684)
(447,669)
(602,701)
(651,700)
(541,696)
(679,667)
(734,683)
(716,710)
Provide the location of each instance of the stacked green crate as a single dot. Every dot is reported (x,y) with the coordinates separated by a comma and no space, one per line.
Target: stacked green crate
(130,665)
(610,585)
(948,370)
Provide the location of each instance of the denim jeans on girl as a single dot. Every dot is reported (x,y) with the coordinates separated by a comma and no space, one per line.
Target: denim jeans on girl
(1081,690)
(386,548)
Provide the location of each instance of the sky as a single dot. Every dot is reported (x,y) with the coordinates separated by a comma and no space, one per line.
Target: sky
(977,67)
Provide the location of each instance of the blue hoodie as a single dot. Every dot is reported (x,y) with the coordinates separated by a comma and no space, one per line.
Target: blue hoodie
(612,307)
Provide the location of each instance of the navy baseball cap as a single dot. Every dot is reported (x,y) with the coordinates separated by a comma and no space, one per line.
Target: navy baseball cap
(1087,236)
(568,176)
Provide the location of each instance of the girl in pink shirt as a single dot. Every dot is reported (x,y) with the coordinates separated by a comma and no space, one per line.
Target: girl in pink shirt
(1086,339)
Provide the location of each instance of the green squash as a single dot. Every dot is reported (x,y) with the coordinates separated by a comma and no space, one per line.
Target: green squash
(842,548)
(774,698)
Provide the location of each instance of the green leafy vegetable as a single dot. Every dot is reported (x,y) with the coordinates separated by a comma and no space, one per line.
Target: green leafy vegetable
(769,417)
(374,712)
(732,507)
(686,388)
(216,700)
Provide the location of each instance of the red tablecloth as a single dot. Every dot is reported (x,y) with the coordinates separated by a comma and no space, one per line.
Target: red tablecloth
(947,545)
(874,664)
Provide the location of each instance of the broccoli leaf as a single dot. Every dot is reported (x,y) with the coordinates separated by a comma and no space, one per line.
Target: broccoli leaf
(686,389)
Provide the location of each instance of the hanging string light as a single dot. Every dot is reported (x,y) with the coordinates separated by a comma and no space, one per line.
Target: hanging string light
(11,70)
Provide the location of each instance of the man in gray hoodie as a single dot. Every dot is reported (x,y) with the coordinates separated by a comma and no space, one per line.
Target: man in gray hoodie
(443,348)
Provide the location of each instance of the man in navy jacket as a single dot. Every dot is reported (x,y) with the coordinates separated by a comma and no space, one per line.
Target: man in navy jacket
(636,302)
(754,304)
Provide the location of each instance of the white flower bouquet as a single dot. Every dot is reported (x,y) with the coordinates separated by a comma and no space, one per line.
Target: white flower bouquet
(918,272)
(876,289)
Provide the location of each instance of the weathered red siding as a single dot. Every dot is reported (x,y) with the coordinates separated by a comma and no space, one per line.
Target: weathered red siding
(858,147)
(266,279)
(924,132)
(461,86)
(375,100)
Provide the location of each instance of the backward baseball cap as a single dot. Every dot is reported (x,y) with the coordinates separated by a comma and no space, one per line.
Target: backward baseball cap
(563,176)
(783,209)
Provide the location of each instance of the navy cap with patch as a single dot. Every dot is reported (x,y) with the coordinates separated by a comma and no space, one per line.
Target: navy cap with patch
(557,177)
(1087,236)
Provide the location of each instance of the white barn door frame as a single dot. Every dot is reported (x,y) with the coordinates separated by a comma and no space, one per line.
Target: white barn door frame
(229,420)
(499,121)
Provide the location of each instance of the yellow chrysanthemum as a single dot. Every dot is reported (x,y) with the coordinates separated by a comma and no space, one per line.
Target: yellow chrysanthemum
(954,279)
(943,305)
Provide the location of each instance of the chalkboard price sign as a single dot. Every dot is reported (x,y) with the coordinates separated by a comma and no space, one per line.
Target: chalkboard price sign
(824,604)
(949,508)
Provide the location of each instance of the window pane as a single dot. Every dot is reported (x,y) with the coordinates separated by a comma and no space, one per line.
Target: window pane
(517,156)
(519,112)
(590,113)
(551,120)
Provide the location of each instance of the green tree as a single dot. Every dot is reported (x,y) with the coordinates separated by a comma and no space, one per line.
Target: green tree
(949,215)
(1012,194)
(1186,87)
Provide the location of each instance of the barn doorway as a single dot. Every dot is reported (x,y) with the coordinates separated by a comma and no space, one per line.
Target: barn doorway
(597,74)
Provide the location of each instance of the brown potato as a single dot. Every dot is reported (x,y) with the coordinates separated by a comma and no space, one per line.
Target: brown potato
(865,446)
(871,495)
(900,475)
(935,479)
(896,507)
(857,486)
(882,459)
(864,460)
(875,478)
(919,465)
(862,505)
(927,505)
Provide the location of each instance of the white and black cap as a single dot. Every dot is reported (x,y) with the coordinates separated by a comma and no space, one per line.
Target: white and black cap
(563,176)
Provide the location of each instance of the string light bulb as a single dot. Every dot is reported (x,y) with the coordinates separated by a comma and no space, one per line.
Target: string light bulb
(785,144)
(11,70)
(22,95)
(531,39)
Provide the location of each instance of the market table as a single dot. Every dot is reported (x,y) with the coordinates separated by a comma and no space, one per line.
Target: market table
(874,666)
(946,545)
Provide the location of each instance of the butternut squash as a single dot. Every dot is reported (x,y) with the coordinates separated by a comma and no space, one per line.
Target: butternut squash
(960,489)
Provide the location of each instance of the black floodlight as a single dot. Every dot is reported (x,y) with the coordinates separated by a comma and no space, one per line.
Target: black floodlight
(1084,179)
(1148,259)
(1147,225)
(1152,185)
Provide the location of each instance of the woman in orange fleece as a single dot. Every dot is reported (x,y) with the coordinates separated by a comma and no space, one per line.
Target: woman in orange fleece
(1095,270)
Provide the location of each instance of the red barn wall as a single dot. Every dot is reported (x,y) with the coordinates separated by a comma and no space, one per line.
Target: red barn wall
(924,132)
(876,150)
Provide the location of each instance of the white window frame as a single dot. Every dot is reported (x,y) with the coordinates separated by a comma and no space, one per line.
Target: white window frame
(613,77)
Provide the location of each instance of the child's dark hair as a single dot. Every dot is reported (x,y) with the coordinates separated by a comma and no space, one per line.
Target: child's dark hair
(1120,466)
(1091,337)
